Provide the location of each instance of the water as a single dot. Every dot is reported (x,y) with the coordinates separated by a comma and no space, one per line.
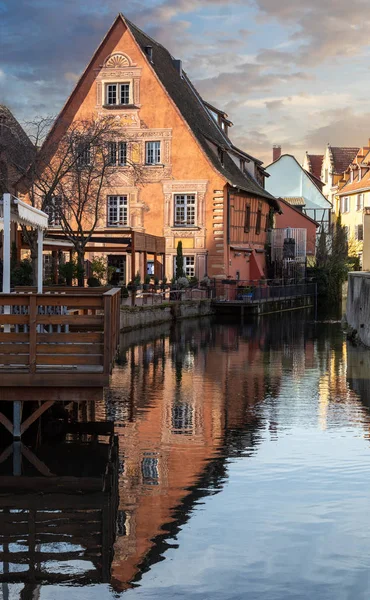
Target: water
(244,464)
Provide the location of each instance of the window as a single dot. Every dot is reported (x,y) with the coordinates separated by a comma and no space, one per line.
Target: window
(242,165)
(83,155)
(258,220)
(247,219)
(53,210)
(188,266)
(153,153)
(344,204)
(117,153)
(182,418)
(347,231)
(184,210)
(359,233)
(118,94)
(360,202)
(117,211)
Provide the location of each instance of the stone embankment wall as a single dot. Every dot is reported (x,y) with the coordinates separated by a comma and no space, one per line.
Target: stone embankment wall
(137,317)
(358,307)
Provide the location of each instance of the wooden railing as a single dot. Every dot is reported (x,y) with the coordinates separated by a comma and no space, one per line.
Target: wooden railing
(52,331)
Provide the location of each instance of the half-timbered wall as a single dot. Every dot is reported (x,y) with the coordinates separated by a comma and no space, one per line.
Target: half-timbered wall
(248,220)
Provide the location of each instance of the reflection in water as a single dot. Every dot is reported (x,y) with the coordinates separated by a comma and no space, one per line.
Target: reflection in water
(243,464)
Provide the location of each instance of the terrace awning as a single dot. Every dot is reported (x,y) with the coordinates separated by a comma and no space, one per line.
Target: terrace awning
(13,210)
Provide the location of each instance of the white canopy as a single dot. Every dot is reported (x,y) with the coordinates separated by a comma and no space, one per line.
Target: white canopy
(24,214)
(13,210)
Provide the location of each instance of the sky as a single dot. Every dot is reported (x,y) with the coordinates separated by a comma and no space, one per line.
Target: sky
(290,72)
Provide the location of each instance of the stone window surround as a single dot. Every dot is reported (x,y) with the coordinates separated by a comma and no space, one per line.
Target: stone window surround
(118,68)
(134,207)
(197,188)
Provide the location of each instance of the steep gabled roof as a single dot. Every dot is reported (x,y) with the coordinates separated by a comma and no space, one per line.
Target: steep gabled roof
(356,185)
(341,158)
(195,113)
(315,163)
(14,142)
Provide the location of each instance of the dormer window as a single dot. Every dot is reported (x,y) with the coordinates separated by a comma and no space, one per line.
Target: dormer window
(118,94)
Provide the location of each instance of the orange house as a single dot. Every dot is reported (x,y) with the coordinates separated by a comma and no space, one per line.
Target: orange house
(197,187)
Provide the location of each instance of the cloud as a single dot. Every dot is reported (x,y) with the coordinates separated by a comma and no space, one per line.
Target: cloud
(246,79)
(324,29)
(343,127)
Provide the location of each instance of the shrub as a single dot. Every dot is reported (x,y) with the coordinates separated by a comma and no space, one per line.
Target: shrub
(93,282)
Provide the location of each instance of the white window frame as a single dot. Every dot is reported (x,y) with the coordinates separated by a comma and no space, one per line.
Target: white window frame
(345,204)
(189,208)
(360,205)
(189,265)
(153,154)
(122,209)
(118,93)
(115,151)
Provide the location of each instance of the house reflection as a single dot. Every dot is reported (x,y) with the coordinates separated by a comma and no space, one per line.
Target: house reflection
(191,401)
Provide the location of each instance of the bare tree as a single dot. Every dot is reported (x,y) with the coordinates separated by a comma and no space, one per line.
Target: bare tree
(66,174)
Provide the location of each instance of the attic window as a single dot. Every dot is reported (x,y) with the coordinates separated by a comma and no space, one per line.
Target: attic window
(118,94)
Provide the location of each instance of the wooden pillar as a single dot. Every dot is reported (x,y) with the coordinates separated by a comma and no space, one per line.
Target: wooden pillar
(17,458)
(55,266)
(6,243)
(17,416)
(133,265)
(145,265)
(40,245)
(155,265)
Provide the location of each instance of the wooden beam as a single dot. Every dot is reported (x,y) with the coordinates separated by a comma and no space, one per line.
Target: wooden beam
(35,415)
(36,462)
(6,453)
(7,424)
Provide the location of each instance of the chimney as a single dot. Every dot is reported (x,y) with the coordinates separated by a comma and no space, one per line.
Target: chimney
(149,52)
(276,152)
(178,65)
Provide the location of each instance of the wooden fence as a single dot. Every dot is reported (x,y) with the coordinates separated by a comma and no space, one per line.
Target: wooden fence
(47,334)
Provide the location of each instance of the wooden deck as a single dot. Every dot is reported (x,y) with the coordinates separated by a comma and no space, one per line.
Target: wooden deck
(58,339)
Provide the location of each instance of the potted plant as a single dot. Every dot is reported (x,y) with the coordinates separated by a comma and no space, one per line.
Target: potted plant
(205,282)
(146,283)
(156,283)
(193,282)
(137,281)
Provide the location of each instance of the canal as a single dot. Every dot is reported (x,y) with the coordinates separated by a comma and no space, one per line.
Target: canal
(244,469)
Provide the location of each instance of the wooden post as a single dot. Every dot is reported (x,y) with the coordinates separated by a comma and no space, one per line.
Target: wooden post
(17,459)
(145,265)
(6,242)
(33,333)
(40,237)
(107,334)
(155,264)
(17,417)
(55,266)
(133,267)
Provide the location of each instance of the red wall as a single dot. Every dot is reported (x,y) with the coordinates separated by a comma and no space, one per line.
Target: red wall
(291,217)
